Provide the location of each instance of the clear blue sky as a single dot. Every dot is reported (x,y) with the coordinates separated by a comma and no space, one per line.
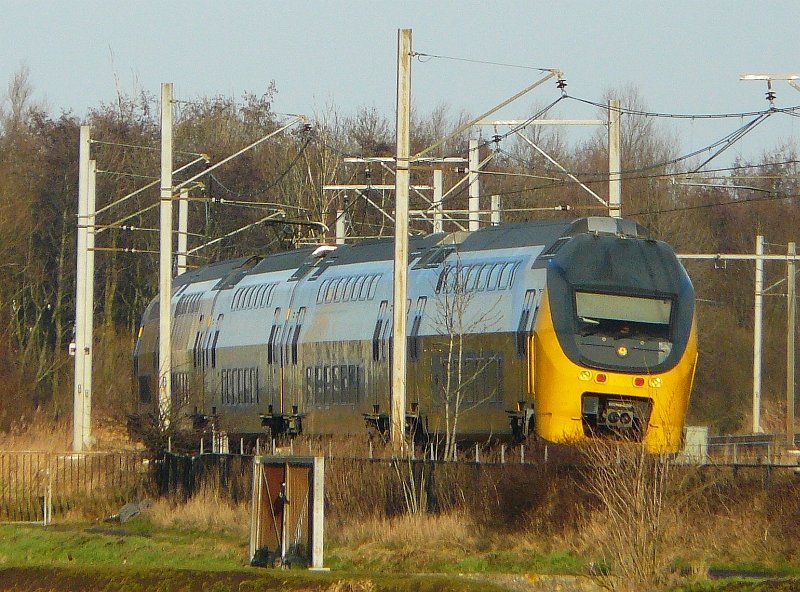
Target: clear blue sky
(683,56)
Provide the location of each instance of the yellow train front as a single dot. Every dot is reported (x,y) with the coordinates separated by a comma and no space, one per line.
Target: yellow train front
(614,345)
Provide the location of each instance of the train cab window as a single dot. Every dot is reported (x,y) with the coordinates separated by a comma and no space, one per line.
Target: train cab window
(629,314)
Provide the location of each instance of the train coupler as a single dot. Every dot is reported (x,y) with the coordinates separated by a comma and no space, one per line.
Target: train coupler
(522,421)
(283,424)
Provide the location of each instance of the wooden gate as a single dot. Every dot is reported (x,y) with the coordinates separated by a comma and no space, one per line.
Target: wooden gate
(287,511)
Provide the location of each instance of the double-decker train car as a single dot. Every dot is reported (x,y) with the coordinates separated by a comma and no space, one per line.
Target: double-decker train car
(568,330)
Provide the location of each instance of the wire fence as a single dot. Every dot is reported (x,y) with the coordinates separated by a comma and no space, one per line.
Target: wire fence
(36,486)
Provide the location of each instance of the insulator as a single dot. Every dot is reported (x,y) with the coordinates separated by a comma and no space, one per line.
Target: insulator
(561,84)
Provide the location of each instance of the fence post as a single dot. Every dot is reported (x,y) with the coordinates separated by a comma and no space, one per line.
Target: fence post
(370,449)
(522,454)
(477,454)
(545,453)
(502,454)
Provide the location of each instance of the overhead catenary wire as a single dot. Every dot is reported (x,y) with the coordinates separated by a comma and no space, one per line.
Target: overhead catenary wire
(430,56)
(627,111)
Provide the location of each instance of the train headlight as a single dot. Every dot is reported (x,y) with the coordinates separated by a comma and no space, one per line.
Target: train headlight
(585,375)
(638,381)
(622,351)
(655,382)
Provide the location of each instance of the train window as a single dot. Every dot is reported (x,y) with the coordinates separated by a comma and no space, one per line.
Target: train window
(335,385)
(195,349)
(266,300)
(329,294)
(274,337)
(351,285)
(326,382)
(323,287)
(319,386)
(472,278)
(347,291)
(301,313)
(353,383)
(214,350)
(373,286)
(341,284)
(236,297)
(309,385)
(505,276)
(413,338)
(357,285)
(483,275)
(463,270)
(513,274)
(145,395)
(364,292)
(376,335)
(494,275)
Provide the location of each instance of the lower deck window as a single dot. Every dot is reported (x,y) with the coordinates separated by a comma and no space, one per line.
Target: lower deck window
(336,384)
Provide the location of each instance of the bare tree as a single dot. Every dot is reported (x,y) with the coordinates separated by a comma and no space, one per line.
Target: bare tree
(455,319)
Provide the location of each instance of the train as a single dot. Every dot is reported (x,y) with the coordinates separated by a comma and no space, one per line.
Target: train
(560,330)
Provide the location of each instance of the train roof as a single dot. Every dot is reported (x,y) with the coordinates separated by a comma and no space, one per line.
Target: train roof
(543,233)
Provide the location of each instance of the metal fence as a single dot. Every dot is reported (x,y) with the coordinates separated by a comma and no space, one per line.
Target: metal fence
(36,486)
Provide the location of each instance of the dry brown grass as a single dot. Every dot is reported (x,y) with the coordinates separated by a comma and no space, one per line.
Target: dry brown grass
(409,538)
(205,511)
(41,433)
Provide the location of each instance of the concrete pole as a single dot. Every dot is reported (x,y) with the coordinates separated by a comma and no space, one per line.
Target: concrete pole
(438,207)
(614,161)
(84,147)
(791,316)
(402,182)
(474,186)
(757,331)
(496,210)
(183,229)
(165,261)
(88,364)
(341,228)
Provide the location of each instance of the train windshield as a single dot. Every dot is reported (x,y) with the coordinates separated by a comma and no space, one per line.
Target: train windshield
(600,312)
